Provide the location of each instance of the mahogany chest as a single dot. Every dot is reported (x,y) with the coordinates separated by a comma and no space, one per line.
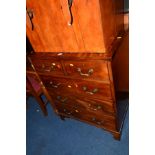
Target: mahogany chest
(76,56)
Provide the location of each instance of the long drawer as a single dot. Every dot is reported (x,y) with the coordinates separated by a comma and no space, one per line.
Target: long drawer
(88,89)
(93,89)
(104,121)
(101,108)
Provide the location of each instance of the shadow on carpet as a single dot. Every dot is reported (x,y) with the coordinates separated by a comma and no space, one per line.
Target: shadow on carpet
(52,136)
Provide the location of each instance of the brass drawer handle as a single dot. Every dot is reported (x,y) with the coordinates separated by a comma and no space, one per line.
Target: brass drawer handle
(97,122)
(90,71)
(43,67)
(67,112)
(70,11)
(95,90)
(63,100)
(53,67)
(30,14)
(95,107)
(55,85)
(76,109)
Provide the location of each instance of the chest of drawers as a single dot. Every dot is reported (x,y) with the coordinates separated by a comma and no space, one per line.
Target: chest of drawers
(82,86)
(75,46)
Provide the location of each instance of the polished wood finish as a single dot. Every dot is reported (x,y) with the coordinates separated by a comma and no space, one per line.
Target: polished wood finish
(99,19)
(87,69)
(89,99)
(76,49)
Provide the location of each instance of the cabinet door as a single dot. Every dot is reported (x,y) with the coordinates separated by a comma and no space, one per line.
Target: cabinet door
(97,20)
(48,30)
(89,18)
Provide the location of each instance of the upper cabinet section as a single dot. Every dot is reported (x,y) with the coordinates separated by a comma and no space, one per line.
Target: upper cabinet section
(73,25)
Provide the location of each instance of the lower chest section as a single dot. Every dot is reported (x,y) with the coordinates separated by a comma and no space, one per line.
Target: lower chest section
(80,88)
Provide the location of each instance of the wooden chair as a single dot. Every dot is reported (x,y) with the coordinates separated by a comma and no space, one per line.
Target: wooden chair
(34,88)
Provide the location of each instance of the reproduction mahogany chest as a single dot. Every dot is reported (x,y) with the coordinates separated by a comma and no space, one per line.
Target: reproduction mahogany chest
(75,46)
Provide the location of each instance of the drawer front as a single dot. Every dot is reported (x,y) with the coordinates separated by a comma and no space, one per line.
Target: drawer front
(100,108)
(51,67)
(65,100)
(57,84)
(104,122)
(98,90)
(87,69)
(84,110)
(95,90)
(83,115)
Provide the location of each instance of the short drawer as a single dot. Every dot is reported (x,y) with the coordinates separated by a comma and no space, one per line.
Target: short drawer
(87,69)
(52,67)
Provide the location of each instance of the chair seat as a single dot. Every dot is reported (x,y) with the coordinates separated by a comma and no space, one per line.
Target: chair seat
(34,83)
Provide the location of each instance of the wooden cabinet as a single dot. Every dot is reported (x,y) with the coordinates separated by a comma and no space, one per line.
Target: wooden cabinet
(95,25)
(75,46)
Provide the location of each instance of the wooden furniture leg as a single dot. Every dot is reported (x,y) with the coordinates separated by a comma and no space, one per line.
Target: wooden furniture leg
(117,136)
(62,117)
(43,107)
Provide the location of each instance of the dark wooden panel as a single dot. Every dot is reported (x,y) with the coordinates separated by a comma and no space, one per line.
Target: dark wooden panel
(100,121)
(94,89)
(97,106)
(120,65)
(90,105)
(119,15)
(71,107)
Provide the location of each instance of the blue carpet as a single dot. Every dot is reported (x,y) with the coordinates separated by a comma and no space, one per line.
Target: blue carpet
(52,136)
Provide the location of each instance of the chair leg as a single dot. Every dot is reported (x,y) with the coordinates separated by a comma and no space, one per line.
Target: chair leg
(62,117)
(42,106)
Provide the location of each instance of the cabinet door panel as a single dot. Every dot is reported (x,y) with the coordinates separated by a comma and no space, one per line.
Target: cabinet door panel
(90,24)
(36,43)
(108,17)
(50,26)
